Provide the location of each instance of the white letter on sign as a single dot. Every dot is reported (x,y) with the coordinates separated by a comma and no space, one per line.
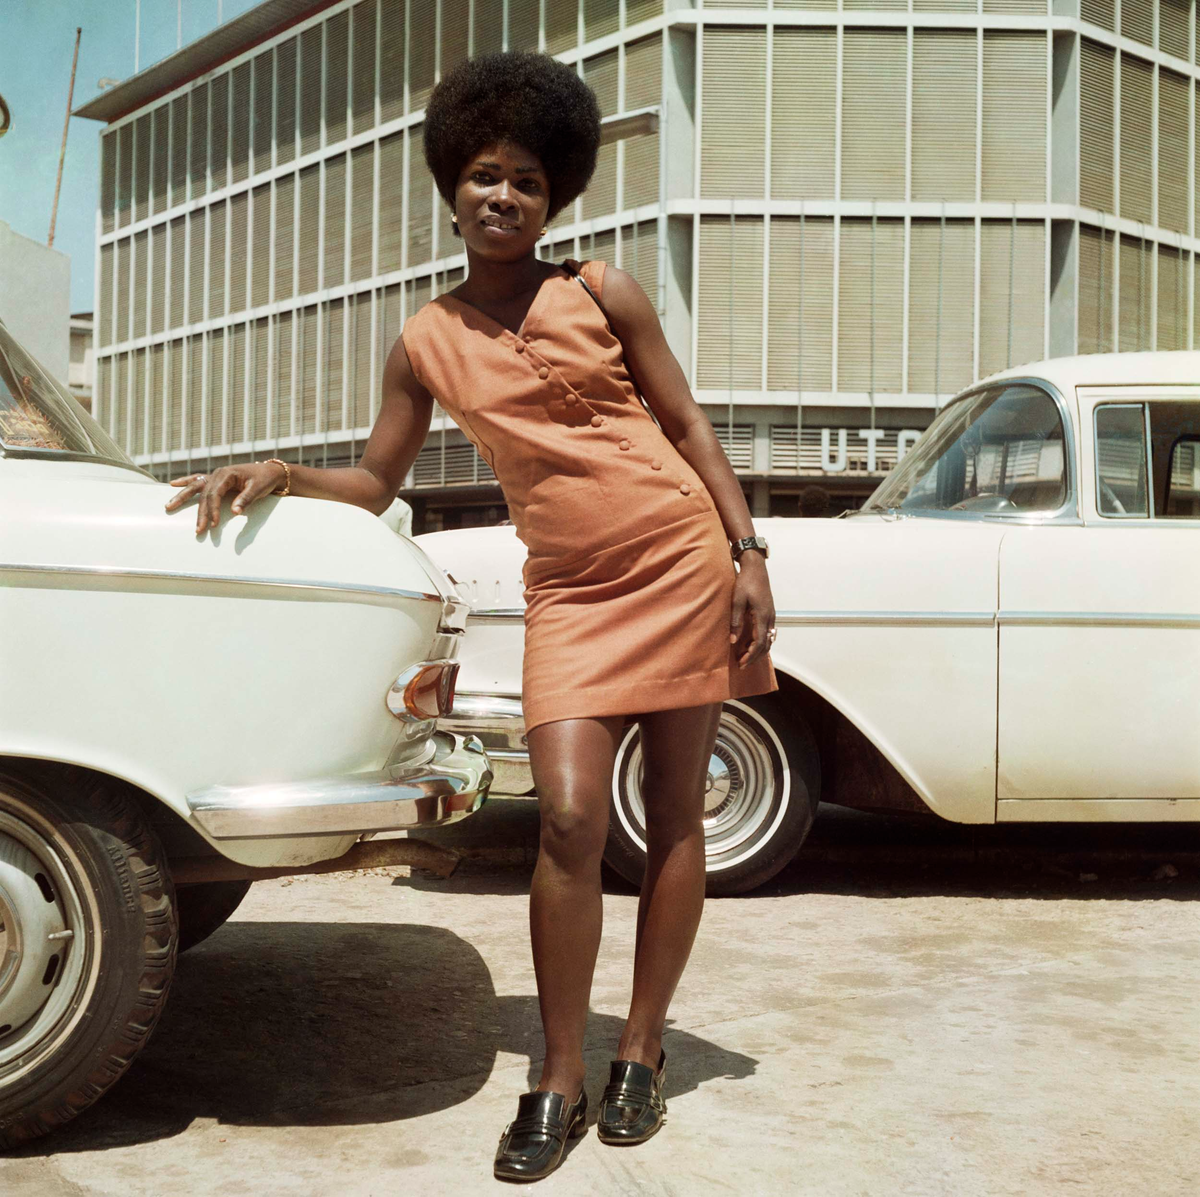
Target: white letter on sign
(828,465)
(872,436)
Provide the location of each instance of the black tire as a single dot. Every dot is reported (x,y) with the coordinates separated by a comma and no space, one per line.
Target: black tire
(83,844)
(762,799)
(205,907)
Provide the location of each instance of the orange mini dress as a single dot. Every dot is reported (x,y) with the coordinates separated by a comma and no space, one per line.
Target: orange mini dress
(628,579)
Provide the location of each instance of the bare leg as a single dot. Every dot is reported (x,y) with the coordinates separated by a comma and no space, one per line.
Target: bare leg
(572,765)
(676,747)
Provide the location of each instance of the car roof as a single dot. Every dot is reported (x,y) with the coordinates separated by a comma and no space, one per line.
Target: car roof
(1161,366)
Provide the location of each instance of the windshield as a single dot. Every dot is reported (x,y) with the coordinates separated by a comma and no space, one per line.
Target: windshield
(38,417)
(997,452)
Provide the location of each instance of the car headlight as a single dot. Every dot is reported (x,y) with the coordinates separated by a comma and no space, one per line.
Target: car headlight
(423,691)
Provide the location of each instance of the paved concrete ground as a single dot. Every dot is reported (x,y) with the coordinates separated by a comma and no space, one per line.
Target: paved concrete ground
(911,1008)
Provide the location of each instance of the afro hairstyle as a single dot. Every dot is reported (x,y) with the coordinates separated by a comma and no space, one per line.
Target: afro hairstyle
(523,98)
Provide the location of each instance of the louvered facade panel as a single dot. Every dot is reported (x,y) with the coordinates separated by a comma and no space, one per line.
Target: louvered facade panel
(102,396)
(335,221)
(640,256)
(179,150)
(285,236)
(522,24)
(310,89)
(643,10)
(214,423)
(135,435)
(391,61)
(643,87)
(391,202)
(871,306)
(158,278)
(239,250)
(1172,300)
(260,246)
(941,306)
(1097,69)
(241,117)
(260,394)
(362,175)
(285,102)
(447,242)
(1097,275)
(108,182)
(733,113)
(1173,36)
(600,246)
(600,17)
(337,76)
(307,230)
(124,136)
(333,369)
(421,54)
(456,28)
(1133,317)
(730,303)
(1137,20)
(177,270)
(141,167)
(160,146)
(1013,152)
(800,309)
(1173,151)
(141,278)
(941,6)
(803,113)
(864,5)
(943,118)
(875,71)
(359,381)
(217,297)
(306,374)
(218,137)
(1137,160)
(488,32)
(193,395)
(161,398)
(198,141)
(1012,294)
(124,262)
(738,442)
(362,78)
(1100,12)
(118,420)
(420,201)
(561,25)
(261,133)
(1196,306)
(1033,8)
(281,386)
(104,312)
(391,318)
(239,364)
(601,75)
(419,294)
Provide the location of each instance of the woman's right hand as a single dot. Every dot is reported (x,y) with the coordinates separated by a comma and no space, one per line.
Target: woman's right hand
(249,482)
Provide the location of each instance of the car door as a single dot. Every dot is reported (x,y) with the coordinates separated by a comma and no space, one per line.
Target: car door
(1099,625)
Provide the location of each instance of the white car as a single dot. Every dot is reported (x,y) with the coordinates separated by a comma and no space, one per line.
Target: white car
(1009,630)
(181,715)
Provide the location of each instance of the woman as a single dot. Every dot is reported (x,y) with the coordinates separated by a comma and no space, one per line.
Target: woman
(634,606)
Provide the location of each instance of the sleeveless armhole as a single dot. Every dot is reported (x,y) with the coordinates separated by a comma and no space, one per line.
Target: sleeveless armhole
(593,272)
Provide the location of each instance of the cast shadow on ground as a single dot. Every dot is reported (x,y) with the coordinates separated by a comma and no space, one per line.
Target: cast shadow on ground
(335,1024)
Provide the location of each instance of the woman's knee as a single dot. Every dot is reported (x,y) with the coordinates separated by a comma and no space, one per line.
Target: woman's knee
(574,830)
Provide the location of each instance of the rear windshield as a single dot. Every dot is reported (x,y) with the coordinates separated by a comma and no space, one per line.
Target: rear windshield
(40,418)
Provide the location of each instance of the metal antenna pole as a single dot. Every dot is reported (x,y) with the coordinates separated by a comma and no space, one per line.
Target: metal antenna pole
(871,392)
(937,335)
(1012,251)
(1100,338)
(62,153)
(800,347)
(137,35)
(732,250)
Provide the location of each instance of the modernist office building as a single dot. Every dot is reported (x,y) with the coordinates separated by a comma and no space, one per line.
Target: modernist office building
(843,213)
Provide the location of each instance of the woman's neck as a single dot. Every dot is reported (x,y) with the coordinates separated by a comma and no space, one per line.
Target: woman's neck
(495,282)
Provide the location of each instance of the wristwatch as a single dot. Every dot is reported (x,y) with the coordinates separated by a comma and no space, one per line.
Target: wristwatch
(749,542)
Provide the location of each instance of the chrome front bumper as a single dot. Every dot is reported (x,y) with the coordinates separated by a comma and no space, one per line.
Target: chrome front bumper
(499,723)
(452,783)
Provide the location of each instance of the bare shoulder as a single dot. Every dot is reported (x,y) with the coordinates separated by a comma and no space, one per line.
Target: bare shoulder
(629,308)
(400,371)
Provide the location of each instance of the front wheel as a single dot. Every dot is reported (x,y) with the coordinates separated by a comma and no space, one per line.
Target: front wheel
(87,944)
(764,781)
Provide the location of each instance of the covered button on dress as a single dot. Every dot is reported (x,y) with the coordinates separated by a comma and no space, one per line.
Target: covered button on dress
(628,577)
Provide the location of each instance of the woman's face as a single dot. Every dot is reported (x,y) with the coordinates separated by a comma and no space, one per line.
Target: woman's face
(501,201)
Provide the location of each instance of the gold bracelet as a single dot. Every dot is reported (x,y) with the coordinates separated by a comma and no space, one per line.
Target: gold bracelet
(287,475)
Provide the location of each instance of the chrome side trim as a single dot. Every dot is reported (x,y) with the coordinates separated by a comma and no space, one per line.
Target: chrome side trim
(1097,619)
(166,575)
(454,784)
(495,614)
(899,619)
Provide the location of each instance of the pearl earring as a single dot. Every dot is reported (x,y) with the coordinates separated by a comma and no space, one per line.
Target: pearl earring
(454,218)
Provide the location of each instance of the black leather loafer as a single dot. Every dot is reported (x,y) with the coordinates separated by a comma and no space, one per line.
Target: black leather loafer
(632,1108)
(533,1143)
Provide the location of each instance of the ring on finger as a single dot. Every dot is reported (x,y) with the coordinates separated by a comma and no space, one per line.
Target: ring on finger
(201,478)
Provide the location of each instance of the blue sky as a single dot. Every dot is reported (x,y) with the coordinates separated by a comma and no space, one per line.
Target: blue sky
(35,72)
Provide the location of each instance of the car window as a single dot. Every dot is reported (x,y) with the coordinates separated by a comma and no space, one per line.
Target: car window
(1121,467)
(994,452)
(1183,480)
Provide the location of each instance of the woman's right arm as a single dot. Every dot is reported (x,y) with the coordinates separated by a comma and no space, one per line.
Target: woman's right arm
(399,432)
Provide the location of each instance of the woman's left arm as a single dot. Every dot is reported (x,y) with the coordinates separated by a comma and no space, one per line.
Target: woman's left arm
(667,394)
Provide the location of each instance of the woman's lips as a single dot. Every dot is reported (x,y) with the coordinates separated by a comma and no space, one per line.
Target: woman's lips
(497,231)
